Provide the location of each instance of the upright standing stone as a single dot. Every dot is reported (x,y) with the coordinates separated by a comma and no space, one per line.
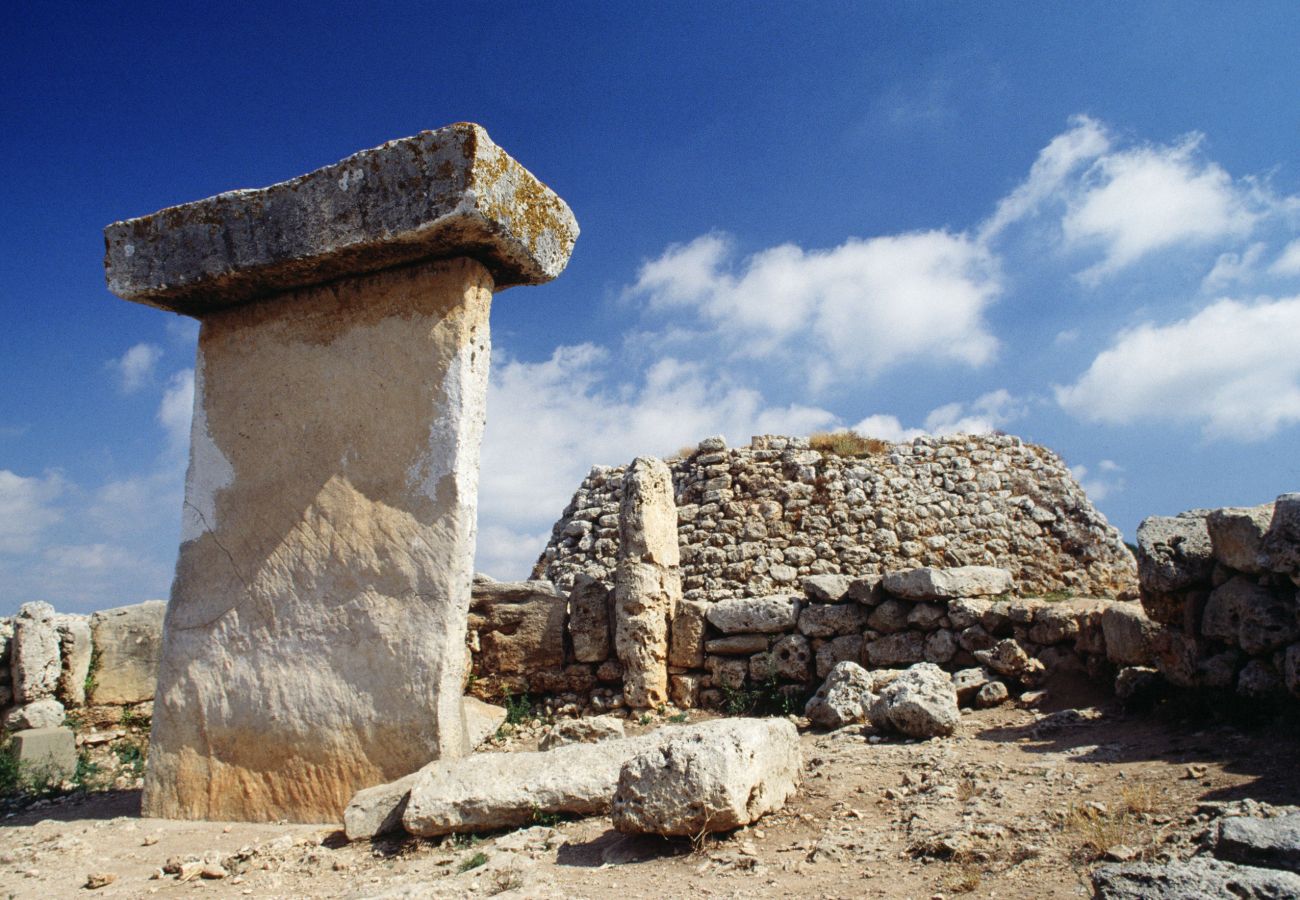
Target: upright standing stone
(314,640)
(648,581)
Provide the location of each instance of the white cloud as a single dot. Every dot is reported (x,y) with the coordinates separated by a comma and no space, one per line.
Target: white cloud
(135,368)
(176,408)
(1288,261)
(983,415)
(1105,482)
(1230,368)
(27,508)
(550,421)
(1062,157)
(1138,201)
(858,309)
(1230,268)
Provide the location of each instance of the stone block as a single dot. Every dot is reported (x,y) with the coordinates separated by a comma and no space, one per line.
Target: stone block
(75,653)
(128,643)
(34,662)
(765,615)
(1237,535)
(46,752)
(589,619)
(520,626)
(928,583)
(686,641)
(1174,552)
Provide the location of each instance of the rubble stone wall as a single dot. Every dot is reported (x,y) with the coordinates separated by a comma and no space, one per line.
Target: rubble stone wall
(1223,583)
(755,520)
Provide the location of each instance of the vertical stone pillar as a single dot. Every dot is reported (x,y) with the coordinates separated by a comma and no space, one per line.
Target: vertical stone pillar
(647,581)
(314,640)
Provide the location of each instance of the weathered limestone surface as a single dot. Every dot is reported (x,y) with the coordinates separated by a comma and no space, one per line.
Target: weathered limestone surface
(648,583)
(129,642)
(75,654)
(314,643)
(709,780)
(520,625)
(438,194)
(35,655)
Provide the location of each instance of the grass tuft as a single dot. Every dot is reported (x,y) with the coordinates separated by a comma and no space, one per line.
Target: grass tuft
(847,442)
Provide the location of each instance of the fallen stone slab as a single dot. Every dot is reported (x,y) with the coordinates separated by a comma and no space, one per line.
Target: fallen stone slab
(709,780)
(378,810)
(587,730)
(486,791)
(1201,878)
(947,584)
(1270,843)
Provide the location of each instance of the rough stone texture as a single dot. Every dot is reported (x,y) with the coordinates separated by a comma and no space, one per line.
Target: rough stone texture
(686,641)
(992,694)
(921,703)
(739,644)
(378,810)
(1280,549)
(520,626)
(967,683)
(1173,552)
(481,720)
(1197,878)
(928,583)
(826,588)
(1244,613)
(128,641)
(46,751)
(889,616)
(710,780)
(1237,535)
(582,731)
(763,615)
(831,620)
(589,604)
(486,791)
(1291,669)
(44,713)
(1272,843)
(844,697)
(34,660)
(647,584)
(900,649)
(75,652)
(791,658)
(818,513)
(1128,634)
(314,643)
(1134,683)
(439,194)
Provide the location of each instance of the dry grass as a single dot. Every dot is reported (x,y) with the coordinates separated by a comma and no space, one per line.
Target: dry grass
(964,878)
(1140,799)
(1096,830)
(968,789)
(847,443)
(684,452)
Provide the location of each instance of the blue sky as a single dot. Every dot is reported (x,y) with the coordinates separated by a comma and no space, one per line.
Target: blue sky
(1073,222)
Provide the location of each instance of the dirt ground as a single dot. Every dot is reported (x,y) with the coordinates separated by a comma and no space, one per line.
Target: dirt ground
(1017,804)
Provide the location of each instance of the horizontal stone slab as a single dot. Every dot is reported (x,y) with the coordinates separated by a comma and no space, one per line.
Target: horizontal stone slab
(438,194)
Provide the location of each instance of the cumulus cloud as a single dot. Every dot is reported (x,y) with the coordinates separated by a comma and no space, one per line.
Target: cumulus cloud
(1229,369)
(28,506)
(1107,479)
(135,368)
(1145,199)
(983,415)
(549,421)
(1288,261)
(862,307)
(1230,268)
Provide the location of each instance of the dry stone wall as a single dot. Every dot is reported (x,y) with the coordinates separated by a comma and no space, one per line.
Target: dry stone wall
(1223,583)
(755,520)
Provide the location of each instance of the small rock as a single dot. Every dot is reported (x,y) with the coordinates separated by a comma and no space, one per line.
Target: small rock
(97,880)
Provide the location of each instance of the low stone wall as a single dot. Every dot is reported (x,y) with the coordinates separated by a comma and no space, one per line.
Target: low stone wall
(51,662)
(1224,582)
(529,637)
(755,520)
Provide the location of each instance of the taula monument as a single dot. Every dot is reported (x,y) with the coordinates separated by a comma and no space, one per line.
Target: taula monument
(314,643)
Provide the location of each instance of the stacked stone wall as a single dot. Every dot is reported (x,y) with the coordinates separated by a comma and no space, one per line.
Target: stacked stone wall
(756,520)
(1223,583)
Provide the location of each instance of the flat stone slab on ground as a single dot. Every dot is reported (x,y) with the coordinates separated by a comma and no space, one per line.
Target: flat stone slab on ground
(47,751)
(1194,879)
(1273,843)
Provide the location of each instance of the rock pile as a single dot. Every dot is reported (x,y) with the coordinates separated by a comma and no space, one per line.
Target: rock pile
(754,520)
(1223,583)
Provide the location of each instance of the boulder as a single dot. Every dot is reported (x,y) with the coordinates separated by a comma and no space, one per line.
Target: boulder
(1237,535)
(1280,549)
(1272,843)
(826,588)
(964,612)
(520,626)
(765,615)
(1054,623)
(481,720)
(947,584)
(847,648)
(1006,657)
(1174,552)
(709,780)
(1245,614)
(128,644)
(903,648)
(589,602)
(378,810)
(790,659)
(994,693)
(889,616)
(967,683)
(1136,683)
(1199,877)
(1128,633)
(844,697)
(865,590)
(34,657)
(940,646)
(44,713)
(920,703)
(587,730)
